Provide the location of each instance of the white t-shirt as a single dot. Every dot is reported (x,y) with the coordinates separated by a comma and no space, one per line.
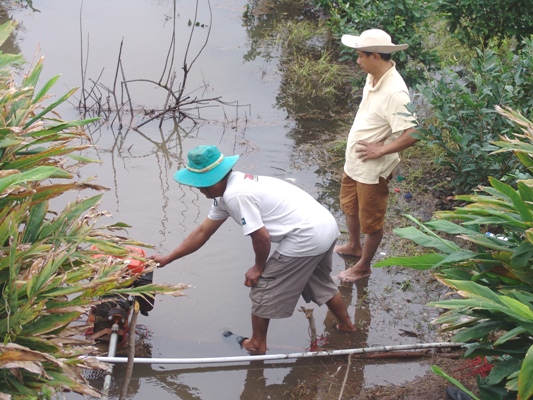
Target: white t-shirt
(296,221)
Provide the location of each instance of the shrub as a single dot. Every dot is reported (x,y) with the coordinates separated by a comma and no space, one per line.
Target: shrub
(404,20)
(462,121)
(492,271)
(476,23)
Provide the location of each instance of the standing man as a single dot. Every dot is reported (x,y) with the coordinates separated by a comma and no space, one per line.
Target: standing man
(382,128)
(270,211)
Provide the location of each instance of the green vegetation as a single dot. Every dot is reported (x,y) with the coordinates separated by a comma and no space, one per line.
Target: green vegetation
(490,266)
(49,276)
(461,121)
(470,65)
(406,21)
(477,23)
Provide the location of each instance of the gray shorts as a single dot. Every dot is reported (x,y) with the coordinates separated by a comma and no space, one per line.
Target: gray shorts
(285,278)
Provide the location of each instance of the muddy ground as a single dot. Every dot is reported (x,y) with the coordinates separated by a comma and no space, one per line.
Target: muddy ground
(428,387)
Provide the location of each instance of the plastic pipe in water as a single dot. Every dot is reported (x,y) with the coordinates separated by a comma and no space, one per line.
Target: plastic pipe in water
(308,354)
(112,351)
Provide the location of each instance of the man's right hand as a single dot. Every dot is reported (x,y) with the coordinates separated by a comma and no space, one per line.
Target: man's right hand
(252,276)
(159,259)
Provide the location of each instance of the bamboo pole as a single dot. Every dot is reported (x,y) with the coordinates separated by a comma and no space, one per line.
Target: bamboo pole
(131,352)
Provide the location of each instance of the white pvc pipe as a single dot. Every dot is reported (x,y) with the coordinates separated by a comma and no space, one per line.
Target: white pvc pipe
(112,351)
(308,354)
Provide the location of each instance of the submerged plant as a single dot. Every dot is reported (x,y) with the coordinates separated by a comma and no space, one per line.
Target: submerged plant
(490,266)
(49,276)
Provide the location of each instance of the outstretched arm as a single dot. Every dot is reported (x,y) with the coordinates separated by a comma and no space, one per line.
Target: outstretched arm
(368,151)
(196,239)
(261,245)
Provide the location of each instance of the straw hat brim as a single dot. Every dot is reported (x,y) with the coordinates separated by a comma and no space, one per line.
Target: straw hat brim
(206,179)
(352,41)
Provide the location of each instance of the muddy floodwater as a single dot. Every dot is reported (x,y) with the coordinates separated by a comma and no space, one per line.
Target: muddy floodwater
(138,165)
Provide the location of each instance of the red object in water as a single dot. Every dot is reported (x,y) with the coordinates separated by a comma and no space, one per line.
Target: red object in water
(397,190)
(136,266)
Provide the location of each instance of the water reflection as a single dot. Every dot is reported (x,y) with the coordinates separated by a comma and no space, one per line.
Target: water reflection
(262,380)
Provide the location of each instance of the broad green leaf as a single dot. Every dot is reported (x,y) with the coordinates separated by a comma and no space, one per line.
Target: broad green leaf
(509,335)
(472,289)
(37,343)
(63,222)
(25,162)
(522,255)
(454,273)
(460,304)
(520,295)
(518,203)
(36,174)
(448,227)
(526,192)
(500,219)
(421,262)
(478,331)
(525,383)
(489,242)
(50,107)
(424,240)
(458,257)
(22,390)
(11,60)
(110,249)
(6,29)
(35,220)
(41,193)
(31,79)
(46,273)
(50,323)
(482,298)
(9,142)
(45,89)
(502,369)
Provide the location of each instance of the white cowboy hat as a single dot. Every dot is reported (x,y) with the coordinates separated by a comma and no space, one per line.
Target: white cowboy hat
(373,40)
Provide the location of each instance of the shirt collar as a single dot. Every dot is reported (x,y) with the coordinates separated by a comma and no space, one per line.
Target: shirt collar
(370,78)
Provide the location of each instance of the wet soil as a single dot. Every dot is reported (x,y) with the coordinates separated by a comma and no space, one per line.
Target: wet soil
(427,387)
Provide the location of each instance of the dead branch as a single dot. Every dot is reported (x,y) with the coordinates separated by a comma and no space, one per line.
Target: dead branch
(107,103)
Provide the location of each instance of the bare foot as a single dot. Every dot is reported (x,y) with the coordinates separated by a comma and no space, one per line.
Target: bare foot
(347,250)
(354,274)
(251,349)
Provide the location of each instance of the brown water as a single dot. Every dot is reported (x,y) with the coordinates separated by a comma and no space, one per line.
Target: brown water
(138,167)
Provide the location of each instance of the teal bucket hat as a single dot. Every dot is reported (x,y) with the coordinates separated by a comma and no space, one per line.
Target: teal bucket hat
(206,166)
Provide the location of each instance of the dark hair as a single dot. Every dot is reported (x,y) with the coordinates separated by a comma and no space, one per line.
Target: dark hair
(384,56)
(227,175)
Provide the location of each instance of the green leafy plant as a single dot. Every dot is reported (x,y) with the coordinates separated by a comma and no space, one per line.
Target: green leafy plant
(484,252)
(49,277)
(461,120)
(476,23)
(405,21)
